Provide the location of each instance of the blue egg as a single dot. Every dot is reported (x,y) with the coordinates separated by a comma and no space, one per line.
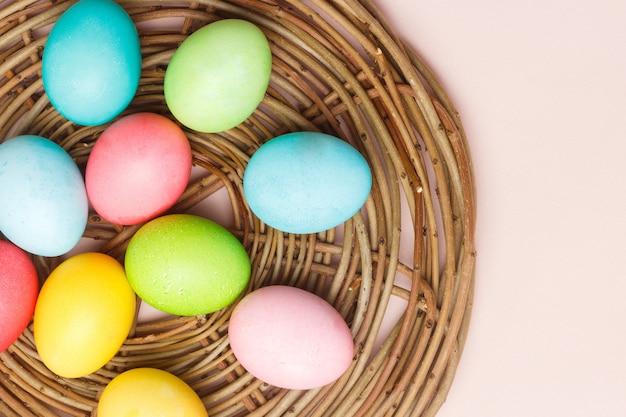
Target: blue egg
(306,182)
(43,201)
(91,63)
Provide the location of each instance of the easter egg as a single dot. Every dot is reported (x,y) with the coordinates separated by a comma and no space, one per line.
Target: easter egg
(186,265)
(147,392)
(290,338)
(43,201)
(18,292)
(138,168)
(83,314)
(306,182)
(218,76)
(91,63)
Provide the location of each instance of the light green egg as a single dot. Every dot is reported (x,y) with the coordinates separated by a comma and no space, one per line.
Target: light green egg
(218,76)
(186,265)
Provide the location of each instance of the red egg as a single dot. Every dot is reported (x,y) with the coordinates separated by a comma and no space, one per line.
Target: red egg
(19,287)
(138,168)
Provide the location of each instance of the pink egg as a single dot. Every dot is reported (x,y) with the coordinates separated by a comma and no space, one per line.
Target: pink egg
(290,338)
(19,287)
(138,168)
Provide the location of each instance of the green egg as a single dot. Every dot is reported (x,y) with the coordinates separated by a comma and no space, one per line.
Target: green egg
(186,265)
(218,76)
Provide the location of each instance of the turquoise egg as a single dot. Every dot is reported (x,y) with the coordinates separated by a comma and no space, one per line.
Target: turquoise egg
(306,182)
(91,63)
(43,200)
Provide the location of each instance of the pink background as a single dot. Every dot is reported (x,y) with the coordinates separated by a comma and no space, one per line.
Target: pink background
(541,88)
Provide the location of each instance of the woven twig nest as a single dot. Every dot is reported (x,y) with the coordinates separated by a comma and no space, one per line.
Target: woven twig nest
(339,69)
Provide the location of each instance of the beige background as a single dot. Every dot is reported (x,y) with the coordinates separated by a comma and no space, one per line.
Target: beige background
(541,88)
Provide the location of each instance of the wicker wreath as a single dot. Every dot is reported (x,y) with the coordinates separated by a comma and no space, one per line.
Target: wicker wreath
(338,68)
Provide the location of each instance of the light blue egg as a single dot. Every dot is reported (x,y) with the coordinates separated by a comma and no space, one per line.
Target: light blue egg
(91,63)
(43,202)
(306,182)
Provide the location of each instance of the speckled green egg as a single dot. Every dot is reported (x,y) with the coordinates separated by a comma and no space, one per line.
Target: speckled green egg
(186,265)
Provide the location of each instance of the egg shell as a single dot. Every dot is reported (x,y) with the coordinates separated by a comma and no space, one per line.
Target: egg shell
(186,265)
(19,287)
(290,338)
(306,182)
(91,63)
(83,314)
(43,201)
(138,168)
(147,392)
(218,76)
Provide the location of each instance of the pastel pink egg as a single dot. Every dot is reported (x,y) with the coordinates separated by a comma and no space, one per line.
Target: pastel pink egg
(138,168)
(290,338)
(19,287)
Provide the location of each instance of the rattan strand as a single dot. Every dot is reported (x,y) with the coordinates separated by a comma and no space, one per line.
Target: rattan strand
(337,68)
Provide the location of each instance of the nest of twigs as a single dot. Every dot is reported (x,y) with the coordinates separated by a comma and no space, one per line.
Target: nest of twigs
(338,68)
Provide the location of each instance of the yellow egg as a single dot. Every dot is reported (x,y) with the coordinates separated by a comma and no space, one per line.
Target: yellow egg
(149,392)
(84,313)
